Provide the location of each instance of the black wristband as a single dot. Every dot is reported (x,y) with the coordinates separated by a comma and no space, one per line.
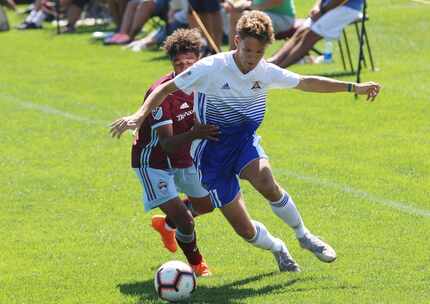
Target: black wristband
(350,87)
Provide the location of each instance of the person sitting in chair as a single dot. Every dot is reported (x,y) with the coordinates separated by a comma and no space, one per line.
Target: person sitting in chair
(326,20)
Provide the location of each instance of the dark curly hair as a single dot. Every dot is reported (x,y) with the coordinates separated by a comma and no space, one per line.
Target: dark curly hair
(257,25)
(183,41)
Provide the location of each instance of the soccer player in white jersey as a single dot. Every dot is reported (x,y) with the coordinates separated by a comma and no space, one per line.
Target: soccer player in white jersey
(230,91)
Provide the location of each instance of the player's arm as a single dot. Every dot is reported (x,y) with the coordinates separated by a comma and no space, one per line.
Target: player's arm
(170,143)
(135,120)
(328,85)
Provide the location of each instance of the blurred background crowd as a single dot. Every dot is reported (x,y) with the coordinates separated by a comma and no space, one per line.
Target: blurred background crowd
(215,18)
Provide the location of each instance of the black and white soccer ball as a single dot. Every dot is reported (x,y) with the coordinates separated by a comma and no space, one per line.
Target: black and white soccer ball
(174,281)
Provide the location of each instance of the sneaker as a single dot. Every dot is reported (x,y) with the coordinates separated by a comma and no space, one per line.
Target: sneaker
(28,26)
(118,38)
(323,251)
(201,270)
(158,222)
(285,261)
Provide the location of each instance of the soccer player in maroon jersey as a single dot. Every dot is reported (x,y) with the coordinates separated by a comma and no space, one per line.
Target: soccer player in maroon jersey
(161,156)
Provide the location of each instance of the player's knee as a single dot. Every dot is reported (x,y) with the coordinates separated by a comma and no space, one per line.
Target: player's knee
(246,232)
(266,185)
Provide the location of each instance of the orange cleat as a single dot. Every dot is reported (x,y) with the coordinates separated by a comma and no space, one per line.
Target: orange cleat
(202,269)
(158,222)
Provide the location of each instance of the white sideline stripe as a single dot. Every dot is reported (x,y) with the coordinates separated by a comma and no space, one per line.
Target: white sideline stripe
(422,1)
(50,110)
(401,206)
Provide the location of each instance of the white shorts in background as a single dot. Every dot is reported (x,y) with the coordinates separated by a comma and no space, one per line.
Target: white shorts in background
(160,186)
(281,23)
(331,24)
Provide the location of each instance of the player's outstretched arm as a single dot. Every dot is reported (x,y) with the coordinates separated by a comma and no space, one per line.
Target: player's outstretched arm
(329,85)
(135,120)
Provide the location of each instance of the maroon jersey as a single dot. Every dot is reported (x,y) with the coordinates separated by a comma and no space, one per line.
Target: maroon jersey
(176,109)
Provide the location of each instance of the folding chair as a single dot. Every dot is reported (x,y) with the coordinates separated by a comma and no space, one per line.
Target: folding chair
(362,38)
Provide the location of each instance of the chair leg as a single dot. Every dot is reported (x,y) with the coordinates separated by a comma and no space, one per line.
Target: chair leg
(372,65)
(348,51)
(339,42)
(358,39)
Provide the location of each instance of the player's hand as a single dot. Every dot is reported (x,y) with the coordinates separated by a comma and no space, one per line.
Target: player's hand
(371,89)
(202,131)
(123,124)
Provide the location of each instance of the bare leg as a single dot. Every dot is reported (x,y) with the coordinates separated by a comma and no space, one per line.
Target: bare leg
(201,205)
(238,217)
(234,17)
(128,17)
(117,9)
(285,50)
(300,49)
(259,174)
(144,12)
(257,234)
(73,15)
(215,27)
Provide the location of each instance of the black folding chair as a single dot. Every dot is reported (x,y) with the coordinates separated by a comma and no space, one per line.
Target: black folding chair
(362,37)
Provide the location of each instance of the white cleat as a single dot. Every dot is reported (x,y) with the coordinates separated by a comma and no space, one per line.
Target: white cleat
(285,261)
(323,251)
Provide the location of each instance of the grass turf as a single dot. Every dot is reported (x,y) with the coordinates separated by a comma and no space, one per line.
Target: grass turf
(72,228)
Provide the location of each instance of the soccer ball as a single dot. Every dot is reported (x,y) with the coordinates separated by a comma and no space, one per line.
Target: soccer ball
(174,281)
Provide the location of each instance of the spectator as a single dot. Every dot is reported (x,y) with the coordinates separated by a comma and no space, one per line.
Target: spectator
(36,17)
(4,22)
(326,20)
(281,12)
(177,18)
(209,12)
(117,10)
(137,13)
(73,10)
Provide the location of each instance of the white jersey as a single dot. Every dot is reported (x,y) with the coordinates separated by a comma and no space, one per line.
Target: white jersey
(226,97)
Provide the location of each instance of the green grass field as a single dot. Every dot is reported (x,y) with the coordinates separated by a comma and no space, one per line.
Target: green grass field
(72,228)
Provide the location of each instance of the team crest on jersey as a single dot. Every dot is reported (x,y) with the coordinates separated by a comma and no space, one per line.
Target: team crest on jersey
(157,113)
(162,186)
(256,85)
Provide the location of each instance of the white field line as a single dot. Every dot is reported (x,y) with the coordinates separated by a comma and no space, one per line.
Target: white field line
(401,206)
(49,110)
(422,1)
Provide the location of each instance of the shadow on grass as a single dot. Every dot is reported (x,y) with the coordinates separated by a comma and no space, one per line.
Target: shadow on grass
(228,293)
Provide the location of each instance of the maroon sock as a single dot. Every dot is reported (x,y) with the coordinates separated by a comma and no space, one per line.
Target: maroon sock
(189,247)
(170,223)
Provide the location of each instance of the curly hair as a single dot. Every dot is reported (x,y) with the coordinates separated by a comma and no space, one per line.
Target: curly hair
(256,24)
(183,41)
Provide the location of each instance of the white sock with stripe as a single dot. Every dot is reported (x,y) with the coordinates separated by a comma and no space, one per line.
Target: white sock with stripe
(287,211)
(263,239)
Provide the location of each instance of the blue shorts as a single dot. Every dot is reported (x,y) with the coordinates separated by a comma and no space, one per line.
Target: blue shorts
(220,164)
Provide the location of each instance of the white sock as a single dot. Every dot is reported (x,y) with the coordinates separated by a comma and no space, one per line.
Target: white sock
(31,16)
(39,18)
(287,211)
(263,239)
